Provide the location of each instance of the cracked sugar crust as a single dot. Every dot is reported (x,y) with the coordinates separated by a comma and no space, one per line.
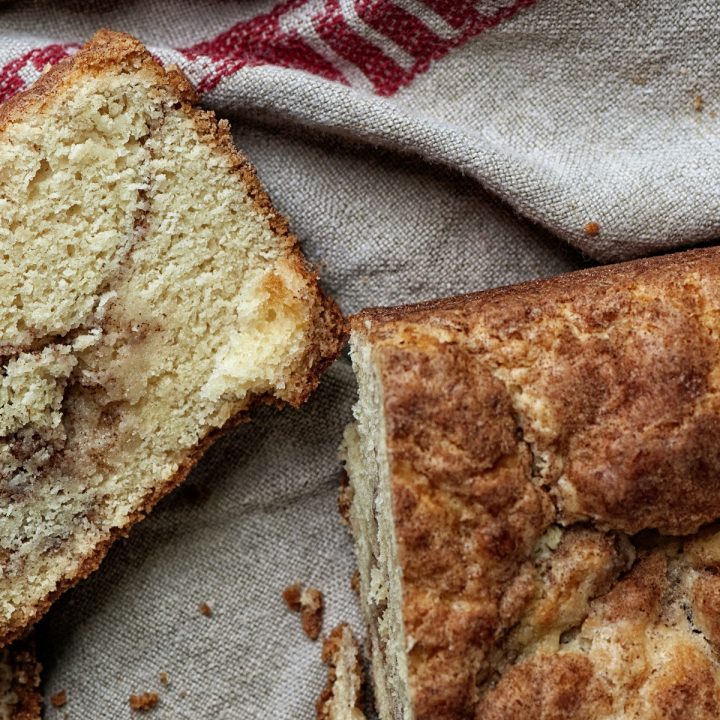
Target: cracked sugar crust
(647,648)
(152,296)
(553,458)
(613,377)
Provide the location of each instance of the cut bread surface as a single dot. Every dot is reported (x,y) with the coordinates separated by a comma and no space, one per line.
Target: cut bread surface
(535,480)
(342,697)
(151,296)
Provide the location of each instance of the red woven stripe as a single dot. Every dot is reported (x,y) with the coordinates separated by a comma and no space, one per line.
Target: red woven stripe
(405,30)
(260,41)
(244,37)
(10,80)
(383,72)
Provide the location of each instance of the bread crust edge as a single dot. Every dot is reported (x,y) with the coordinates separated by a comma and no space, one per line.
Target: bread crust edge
(329,329)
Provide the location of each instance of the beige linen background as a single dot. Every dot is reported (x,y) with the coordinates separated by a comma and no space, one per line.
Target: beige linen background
(474,171)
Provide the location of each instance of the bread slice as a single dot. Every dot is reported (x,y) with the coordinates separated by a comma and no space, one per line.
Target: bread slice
(20,682)
(151,296)
(342,697)
(535,476)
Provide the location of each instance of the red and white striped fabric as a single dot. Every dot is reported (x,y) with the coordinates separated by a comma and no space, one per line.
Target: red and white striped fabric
(574,113)
(378,46)
(421,148)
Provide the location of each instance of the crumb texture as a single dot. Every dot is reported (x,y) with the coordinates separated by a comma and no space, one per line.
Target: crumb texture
(535,479)
(20,682)
(341,699)
(150,296)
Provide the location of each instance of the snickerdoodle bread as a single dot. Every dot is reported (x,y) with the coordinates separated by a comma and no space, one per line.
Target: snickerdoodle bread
(535,477)
(151,295)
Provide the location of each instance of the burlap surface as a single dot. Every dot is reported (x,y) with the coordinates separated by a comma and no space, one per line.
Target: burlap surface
(385,131)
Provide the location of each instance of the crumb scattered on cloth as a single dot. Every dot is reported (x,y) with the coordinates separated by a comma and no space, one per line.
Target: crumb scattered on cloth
(309,602)
(205,609)
(59,699)
(144,701)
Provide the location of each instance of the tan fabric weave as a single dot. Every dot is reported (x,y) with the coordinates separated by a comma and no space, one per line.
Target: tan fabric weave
(572,112)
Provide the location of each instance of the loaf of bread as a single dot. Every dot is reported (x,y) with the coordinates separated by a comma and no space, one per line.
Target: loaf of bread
(535,478)
(20,682)
(151,296)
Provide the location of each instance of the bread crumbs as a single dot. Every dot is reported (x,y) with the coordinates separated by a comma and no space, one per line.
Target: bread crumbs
(59,699)
(592,229)
(310,604)
(205,610)
(144,702)
(291,596)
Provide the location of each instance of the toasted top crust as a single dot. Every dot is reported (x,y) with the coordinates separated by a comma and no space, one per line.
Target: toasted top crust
(613,373)
(531,430)
(107,49)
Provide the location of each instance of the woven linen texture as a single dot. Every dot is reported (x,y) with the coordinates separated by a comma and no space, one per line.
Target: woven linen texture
(420,148)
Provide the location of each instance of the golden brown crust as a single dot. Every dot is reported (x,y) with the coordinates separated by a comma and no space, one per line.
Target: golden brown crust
(639,657)
(551,687)
(535,293)
(530,431)
(623,360)
(113,51)
(462,499)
